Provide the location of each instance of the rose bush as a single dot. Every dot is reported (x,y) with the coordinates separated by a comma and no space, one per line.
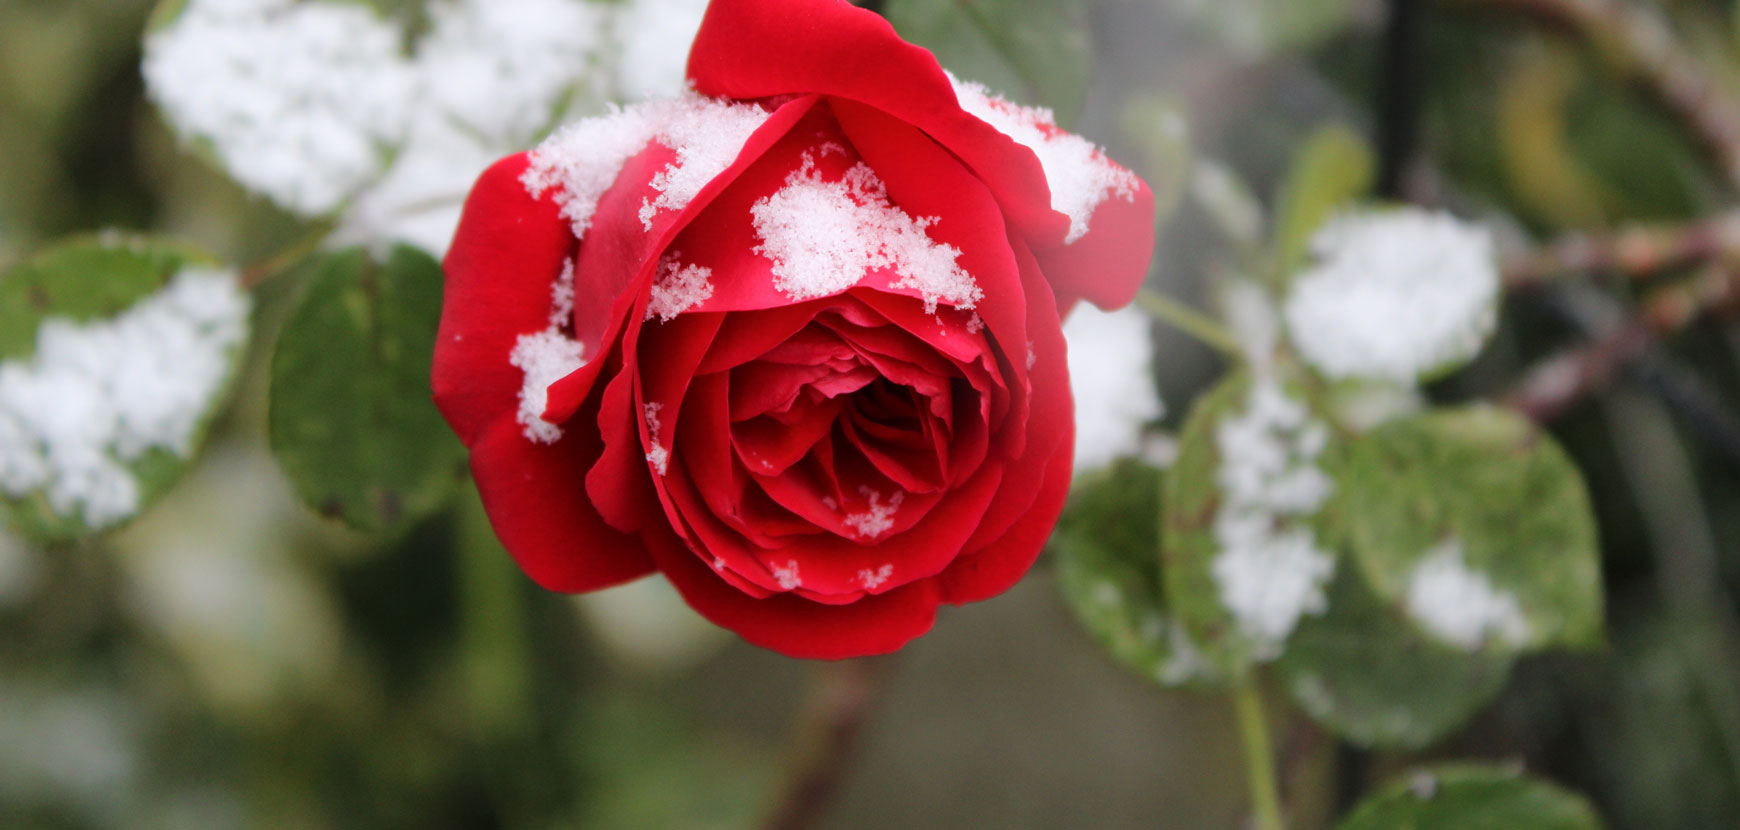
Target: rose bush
(792,340)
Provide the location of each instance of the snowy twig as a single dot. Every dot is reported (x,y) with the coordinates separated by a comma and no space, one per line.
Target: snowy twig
(840,702)
(1644,47)
(1636,252)
(1558,382)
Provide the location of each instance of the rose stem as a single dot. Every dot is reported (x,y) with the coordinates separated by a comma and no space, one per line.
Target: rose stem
(827,736)
(1259,761)
(1189,320)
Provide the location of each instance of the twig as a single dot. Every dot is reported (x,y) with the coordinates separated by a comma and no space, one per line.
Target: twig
(1636,252)
(1192,322)
(1558,382)
(1259,758)
(1646,49)
(833,719)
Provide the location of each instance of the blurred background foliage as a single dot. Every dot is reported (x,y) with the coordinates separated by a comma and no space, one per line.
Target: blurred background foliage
(232,660)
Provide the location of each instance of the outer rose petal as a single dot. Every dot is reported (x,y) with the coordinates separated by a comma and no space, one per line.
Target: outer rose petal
(536,499)
(793,626)
(508,251)
(1106,267)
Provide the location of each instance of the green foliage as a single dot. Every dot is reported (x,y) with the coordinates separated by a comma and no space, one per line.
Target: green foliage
(1367,674)
(1035,51)
(1107,550)
(1471,798)
(1157,127)
(1489,482)
(351,419)
(1335,167)
(84,280)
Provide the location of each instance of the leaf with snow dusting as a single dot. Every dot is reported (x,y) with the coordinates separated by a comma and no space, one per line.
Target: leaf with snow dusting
(1363,672)
(1107,550)
(115,354)
(1478,526)
(351,420)
(1467,796)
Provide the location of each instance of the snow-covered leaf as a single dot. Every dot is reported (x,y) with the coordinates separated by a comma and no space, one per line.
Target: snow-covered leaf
(351,419)
(1245,554)
(1107,550)
(115,352)
(1368,675)
(1038,52)
(1111,376)
(1394,295)
(1334,167)
(1478,527)
(1462,797)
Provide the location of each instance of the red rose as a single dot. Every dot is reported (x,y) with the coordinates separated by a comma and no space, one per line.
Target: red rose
(793,340)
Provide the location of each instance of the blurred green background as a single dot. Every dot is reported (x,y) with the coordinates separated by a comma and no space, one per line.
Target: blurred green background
(231,660)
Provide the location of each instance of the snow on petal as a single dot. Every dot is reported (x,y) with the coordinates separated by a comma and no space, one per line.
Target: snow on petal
(678,288)
(707,139)
(877,517)
(1270,570)
(1394,294)
(98,395)
(1079,174)
(825,236)
(1111,377)
(298,100)
(545,357)
(1460,605)
(659,456)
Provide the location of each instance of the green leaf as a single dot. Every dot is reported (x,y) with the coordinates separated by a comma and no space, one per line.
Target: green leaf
(1190,546)
(81,286)
(1363,671)
(1467,797)
(1255,28)
(1107,550)
(351,418)
(1334,168)
(1158,128)
(1477,525)
(1035,52)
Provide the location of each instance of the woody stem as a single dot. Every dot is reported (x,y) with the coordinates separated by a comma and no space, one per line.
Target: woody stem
(827,738)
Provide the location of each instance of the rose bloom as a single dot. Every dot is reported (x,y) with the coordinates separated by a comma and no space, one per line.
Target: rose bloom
(792,340)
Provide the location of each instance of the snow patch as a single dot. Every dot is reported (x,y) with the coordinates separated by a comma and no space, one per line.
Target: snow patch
(678,288)
(878,518)
(546,357)
(1079,174)
(1394,294)
(823,237)
(1111,378)
(873,579)
(1270,570)
(787,576)
(96,396)
(706,139)
(1460,605)
(659,456)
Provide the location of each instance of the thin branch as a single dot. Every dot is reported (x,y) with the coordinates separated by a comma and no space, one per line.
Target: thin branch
(1558,382)
(1192,322)
(1635,252)
(827,739)
(1259,758)
(1640,40)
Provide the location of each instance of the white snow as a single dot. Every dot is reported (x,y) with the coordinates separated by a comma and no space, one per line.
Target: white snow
(878,517)
(679,287)
(873,579)
(654,38)
(1270,570)
(1111,377)
(824,236)
(1460,605)
(1079,174)
(300,101)
(582,160)
(787,576)
(98,395)
(1394,294)
(660,455)
(547,356)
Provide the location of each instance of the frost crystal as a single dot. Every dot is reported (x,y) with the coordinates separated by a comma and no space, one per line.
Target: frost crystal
(298,100)
(878,518)
(825,236)
(581,161)
(678,288)
(787,575)
(1269,569)
(96,396)
(1080,176)
(660,455)
(1461,605)
(871,580)
(1110,375)
(1394,294)
(546,357)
